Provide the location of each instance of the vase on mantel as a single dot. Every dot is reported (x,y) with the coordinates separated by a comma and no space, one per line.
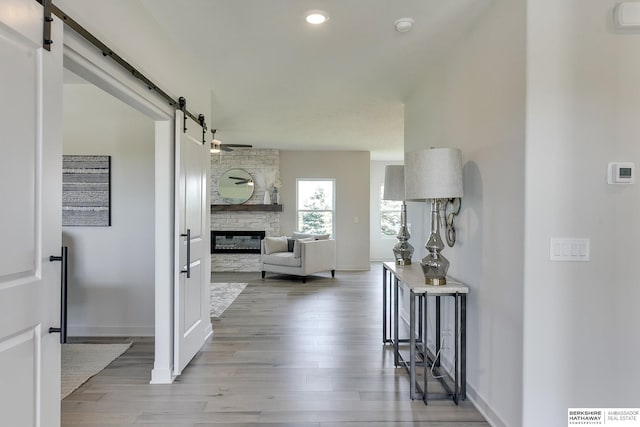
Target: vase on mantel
(275,196)
(267,197)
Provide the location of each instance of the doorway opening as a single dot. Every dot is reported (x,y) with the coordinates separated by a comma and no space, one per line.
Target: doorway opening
(111,268)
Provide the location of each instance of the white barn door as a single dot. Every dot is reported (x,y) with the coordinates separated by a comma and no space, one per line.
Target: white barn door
(191,295)
(30,217)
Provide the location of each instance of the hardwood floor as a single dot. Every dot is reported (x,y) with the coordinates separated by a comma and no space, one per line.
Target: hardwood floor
(284,354)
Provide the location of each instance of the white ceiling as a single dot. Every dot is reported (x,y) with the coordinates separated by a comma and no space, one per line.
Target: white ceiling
(282,83)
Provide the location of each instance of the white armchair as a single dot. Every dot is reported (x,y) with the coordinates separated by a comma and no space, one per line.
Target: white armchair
(308,256)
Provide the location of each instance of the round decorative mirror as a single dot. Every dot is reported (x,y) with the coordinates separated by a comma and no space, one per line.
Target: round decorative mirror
(235,186)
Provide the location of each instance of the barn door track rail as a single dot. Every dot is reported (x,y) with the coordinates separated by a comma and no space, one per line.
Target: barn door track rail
(49,8)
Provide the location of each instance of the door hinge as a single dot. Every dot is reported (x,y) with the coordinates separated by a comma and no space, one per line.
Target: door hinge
(183,106)
(46,25)
(203,124)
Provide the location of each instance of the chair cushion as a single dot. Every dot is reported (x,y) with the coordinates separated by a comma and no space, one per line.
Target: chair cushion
(282,258)
(297,247)
(275,244)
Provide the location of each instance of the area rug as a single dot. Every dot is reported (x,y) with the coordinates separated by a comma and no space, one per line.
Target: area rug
(222,295)
(82,361)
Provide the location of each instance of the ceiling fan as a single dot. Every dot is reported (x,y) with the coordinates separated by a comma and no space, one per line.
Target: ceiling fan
(217,145)
(241,181)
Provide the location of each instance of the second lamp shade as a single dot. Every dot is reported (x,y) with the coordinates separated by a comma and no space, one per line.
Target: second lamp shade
(393,183)
(435,173)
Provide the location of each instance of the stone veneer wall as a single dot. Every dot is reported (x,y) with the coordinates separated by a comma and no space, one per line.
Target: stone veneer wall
(264,166)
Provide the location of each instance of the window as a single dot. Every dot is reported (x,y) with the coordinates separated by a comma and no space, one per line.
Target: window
(315,206)
(390,211)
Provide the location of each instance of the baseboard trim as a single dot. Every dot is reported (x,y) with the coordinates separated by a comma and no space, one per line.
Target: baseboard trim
(484,408)
(161,376)
(110,331)
(347,268)
(208,332)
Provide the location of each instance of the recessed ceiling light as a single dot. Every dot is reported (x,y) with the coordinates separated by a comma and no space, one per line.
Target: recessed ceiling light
(317,17)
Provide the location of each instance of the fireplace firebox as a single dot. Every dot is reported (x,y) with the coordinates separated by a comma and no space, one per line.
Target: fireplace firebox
(236,241)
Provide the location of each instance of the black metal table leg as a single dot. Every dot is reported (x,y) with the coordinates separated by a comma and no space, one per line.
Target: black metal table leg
(463,346)
(412,345)
(395,321)
(456,390)
(425,372)
(438,332)
(384,305)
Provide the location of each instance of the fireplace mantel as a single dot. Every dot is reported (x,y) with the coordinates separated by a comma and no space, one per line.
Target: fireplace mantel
(246,208)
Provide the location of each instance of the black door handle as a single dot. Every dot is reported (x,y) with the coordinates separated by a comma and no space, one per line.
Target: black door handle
(63,294)
(188,269)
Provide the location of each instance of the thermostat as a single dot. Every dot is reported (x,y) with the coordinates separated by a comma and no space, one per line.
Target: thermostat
(621,173)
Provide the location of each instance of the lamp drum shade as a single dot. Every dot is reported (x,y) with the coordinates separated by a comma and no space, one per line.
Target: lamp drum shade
(393,183)
(435,173)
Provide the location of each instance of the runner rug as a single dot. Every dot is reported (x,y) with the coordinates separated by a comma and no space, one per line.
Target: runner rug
(222,295)
(82,361)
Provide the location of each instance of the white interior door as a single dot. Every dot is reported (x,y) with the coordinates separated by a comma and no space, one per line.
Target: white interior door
(191,313)
(30,217)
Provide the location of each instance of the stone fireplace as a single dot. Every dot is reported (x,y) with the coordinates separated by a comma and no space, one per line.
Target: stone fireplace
(264,167)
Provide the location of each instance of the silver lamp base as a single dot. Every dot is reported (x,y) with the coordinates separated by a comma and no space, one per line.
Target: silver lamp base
(434,265)
(403,251)
(434,268)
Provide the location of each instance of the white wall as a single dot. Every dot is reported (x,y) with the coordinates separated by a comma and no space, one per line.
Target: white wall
(350,169)
(475,100)
(381,248)
(127,27)
(111,269)
(581,319)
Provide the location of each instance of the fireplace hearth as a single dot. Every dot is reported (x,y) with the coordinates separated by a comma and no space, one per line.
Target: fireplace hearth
(236,241)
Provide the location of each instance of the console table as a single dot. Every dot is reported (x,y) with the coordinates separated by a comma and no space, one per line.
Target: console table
(419,355)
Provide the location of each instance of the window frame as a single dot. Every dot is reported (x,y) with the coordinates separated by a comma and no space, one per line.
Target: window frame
(333,203)
(398,211)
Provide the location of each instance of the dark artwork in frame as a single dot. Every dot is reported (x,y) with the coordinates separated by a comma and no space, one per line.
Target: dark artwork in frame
(86,191)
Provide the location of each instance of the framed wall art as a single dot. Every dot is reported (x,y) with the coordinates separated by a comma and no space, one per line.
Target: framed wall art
(86,191)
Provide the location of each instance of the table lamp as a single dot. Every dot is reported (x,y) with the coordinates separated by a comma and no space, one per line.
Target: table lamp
(394,190)
(434,174)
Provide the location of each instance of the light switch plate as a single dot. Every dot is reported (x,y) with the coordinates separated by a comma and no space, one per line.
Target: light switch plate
(570,249)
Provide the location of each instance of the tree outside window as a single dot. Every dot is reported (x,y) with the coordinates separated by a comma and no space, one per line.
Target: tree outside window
(390,211)
(315,206)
